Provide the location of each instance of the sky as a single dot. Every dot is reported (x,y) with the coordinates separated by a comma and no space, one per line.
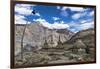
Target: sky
(55,17)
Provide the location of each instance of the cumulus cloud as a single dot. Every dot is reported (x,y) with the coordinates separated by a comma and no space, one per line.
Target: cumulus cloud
(78,15)
(55,25)
(86,20)
(58,25)
(17,17)
(20,19)
(87,25)
(43,22)
(58,7)
(82,26)
(62,22)
(91,13)
(73,8)
(77,9)
(64,8)
(80,9)
(23,9)
(25,5)
(64,13)
(37,14)
(56,18)
(83,13)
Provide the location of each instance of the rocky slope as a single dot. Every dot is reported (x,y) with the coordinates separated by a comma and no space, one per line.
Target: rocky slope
(36,34)
(84,40)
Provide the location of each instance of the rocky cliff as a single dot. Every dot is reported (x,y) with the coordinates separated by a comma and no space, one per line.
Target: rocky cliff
(36,34)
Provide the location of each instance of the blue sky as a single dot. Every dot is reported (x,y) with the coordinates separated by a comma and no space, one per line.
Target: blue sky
(56,17)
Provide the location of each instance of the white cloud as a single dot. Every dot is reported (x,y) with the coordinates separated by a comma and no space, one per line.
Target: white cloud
(91,13)
(87,25)
(20,19)
(84,24)
(37,14)
(25,5)
(17,17)
(55,25)
(58,7)
(85,21)
(24,9)
(81,14)
(42,21)
(64,13)
(61,22)
(73,24)
(78,15)
(56,18)
(64,8)
(80,9)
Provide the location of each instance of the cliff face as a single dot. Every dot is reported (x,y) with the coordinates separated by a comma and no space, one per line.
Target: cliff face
(36,34)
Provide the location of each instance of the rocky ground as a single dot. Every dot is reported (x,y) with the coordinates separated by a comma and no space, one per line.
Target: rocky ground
(52,56)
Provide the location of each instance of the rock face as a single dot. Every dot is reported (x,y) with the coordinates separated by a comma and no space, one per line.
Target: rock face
(83,39)
(36,34)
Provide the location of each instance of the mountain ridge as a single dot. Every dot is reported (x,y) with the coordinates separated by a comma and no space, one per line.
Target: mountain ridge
(36,34)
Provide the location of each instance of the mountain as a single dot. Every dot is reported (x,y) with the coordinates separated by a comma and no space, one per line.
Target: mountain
(87,36)
(64,32)
(36,34)
(83,39)
(43,45)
